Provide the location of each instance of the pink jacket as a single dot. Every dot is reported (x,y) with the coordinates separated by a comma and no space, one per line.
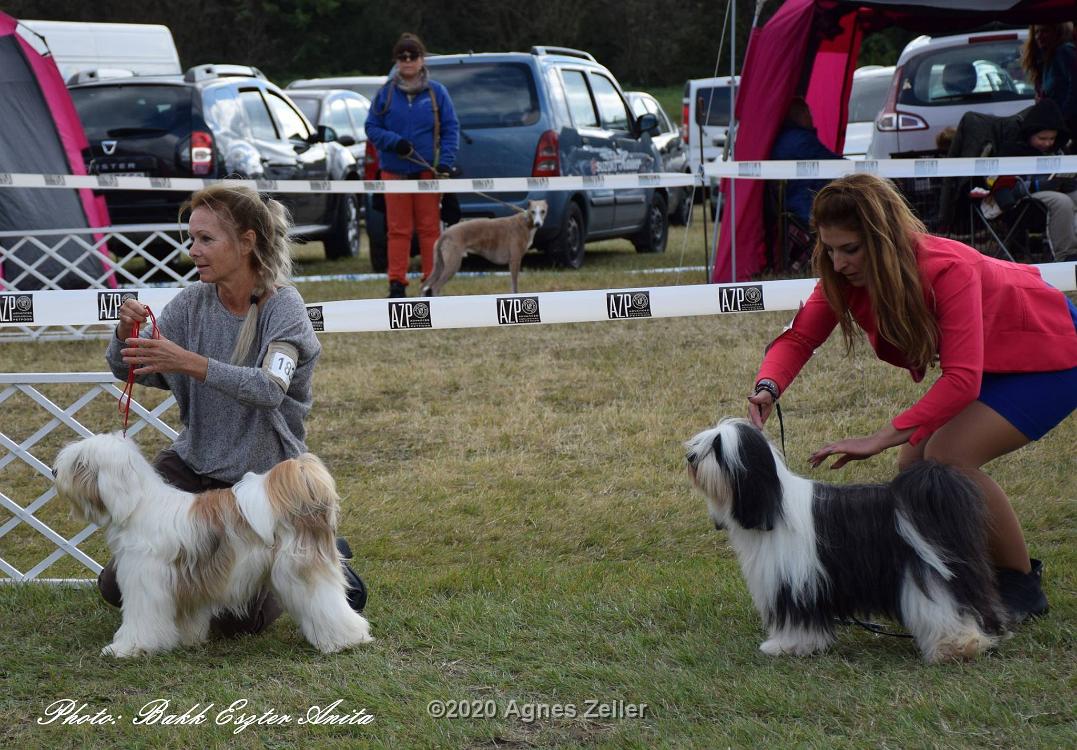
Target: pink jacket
(993,316)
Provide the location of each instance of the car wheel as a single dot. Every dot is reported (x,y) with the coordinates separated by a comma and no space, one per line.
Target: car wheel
(655,231)
(568,247)
(343,239)
(683,214)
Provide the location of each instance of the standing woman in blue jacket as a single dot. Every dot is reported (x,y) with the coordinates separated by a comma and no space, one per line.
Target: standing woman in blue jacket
(1049,58)
(413,125)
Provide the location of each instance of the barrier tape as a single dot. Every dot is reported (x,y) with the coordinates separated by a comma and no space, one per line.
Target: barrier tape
(749,170)
(97,306)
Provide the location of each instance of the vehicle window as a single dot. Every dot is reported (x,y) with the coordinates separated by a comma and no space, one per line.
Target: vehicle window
(358,110)
(867,97)
(223,112)
(611,107)
(664,123)
(338,118)
(712,105)
(579,99)
(110,111)
(291,121)
(488,95)
(257,115)
(639,107)
(309,107)
(970,74)
(557,96)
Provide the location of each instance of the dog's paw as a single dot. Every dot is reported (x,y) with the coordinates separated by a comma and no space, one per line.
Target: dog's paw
(122,651)
(773,647)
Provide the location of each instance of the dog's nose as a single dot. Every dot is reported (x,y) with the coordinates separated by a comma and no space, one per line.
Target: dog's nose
(54,474)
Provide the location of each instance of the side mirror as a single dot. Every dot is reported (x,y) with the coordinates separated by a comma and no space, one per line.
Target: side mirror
(325,134)
(346,140)
(647,123)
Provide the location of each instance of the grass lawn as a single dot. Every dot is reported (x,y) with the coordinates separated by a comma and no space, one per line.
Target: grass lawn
(519,506)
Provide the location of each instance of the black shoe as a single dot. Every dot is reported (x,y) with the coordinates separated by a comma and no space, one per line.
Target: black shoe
(1021,593)
(357,592)
(397,289)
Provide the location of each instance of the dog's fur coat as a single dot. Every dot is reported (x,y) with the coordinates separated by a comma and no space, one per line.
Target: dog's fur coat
(182,558)
(812,553)
(502,241)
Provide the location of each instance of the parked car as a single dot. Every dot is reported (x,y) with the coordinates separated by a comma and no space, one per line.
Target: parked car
(705,111)
(365,85)
(671,147)
(214,121)
(342,110)
(871,83)
(546,113)
(938,80)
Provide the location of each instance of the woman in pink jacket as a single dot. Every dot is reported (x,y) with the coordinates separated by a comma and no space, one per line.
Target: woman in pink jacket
(1005,341)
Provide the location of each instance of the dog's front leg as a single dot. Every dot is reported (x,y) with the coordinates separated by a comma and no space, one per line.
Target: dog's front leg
(194,629)
(149,610)
(795,641)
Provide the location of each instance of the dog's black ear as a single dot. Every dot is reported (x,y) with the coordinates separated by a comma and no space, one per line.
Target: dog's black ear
(757,490)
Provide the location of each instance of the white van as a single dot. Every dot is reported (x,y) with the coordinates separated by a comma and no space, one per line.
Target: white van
(141,48)
(705,112)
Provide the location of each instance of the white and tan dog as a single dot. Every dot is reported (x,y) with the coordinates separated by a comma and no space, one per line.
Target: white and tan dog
(502,241)
(182,558)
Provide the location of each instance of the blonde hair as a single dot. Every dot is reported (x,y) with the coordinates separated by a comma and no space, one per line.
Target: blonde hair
(889,232)
(1032,60)
(241,209)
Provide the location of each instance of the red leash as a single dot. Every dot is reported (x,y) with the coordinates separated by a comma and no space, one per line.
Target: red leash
(129,389)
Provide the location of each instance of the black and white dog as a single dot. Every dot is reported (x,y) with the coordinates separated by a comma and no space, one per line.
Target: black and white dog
(914,549)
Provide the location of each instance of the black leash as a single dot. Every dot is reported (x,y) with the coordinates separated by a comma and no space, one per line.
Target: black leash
(872,627)
(415,158)
(769,387)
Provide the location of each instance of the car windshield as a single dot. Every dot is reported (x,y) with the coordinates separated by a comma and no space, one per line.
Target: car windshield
(971,74)
(712,106)
(490,95)
(113,111)
(868,97)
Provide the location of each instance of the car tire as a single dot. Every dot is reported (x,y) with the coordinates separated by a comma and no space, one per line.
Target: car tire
(652,237)
(343,240)
(683,214)
(567,248)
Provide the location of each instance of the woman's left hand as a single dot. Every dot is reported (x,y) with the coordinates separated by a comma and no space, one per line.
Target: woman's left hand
(851,449)
(150,356)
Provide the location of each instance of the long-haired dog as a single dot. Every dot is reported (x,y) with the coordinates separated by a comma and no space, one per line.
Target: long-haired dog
(811,553)
(182,558)
(503,241)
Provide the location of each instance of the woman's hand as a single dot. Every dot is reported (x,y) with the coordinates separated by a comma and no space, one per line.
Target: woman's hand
(132,313)
(759,408)
(851,449)
(160,356)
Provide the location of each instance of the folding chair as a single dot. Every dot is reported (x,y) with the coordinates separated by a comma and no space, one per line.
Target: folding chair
(789,240)
(1015,221)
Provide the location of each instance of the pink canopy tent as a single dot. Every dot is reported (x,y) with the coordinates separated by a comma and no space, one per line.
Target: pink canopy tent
(810,47)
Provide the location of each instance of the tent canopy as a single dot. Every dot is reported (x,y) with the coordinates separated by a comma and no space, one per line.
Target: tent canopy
(819,41)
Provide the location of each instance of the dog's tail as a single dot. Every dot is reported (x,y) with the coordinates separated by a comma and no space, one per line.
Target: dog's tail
(439,266)
(942,515)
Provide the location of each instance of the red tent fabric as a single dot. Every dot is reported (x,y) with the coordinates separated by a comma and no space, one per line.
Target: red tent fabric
(818,41)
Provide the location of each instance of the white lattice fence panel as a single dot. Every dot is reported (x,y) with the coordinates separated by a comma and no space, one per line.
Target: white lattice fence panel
(34,428)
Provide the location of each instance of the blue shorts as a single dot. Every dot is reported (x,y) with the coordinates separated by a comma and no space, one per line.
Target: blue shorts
(1033,402)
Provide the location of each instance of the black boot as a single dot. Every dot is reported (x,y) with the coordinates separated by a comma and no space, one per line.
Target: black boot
(1021,593)
(397,289)
(356,588)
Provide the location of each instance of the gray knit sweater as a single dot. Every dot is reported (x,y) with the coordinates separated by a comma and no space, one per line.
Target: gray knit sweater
(239,420)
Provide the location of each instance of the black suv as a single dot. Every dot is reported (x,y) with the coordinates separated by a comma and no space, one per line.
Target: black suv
(215,121)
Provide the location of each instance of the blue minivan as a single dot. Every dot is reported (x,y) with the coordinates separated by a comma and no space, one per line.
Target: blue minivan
(549,112)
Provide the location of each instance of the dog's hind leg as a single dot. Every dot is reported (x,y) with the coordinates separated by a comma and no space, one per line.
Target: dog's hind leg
(941,630)
(432,285)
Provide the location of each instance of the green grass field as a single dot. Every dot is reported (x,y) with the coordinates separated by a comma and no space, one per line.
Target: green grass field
(537,561)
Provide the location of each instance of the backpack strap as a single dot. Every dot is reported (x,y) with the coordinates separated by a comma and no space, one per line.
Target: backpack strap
(437,125)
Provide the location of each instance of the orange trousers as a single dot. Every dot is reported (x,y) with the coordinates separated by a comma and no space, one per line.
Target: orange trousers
(407,213)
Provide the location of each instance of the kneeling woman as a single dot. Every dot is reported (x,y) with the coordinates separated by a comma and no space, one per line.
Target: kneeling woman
(1005,340)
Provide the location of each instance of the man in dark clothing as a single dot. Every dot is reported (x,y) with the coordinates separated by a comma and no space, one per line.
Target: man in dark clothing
(798,141)
(1042,133)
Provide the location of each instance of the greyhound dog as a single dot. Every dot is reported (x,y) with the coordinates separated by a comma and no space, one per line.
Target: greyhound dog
(503,240)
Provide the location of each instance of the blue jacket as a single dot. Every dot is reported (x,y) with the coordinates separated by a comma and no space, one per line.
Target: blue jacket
(796,143)
(412,120)
(1060,80)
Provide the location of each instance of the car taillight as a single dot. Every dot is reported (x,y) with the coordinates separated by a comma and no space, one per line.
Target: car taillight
(684,122)
(889,119)
(547,157)
(201,152)
(370,163)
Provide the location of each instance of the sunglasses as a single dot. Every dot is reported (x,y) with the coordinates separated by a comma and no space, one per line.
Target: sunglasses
(408,56)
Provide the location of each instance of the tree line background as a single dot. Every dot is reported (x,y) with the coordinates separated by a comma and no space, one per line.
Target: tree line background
(642,43)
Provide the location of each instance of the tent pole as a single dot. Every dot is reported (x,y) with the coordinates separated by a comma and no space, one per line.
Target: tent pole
(731,136)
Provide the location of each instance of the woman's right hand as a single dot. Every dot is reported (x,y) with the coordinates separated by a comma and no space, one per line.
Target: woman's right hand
(132,313)
(759,407)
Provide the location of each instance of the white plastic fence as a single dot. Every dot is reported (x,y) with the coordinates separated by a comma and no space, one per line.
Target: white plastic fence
(23,510)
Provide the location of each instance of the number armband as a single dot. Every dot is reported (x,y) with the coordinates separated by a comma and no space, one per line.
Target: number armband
(280,362)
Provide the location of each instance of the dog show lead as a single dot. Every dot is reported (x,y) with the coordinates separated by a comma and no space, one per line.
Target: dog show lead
(1005,341)
(237,351)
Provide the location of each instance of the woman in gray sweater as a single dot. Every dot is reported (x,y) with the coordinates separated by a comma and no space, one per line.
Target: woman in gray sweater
(237,351)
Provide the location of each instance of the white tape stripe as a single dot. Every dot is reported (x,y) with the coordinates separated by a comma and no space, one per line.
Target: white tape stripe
(95,306)
(827,169)
(500,184)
